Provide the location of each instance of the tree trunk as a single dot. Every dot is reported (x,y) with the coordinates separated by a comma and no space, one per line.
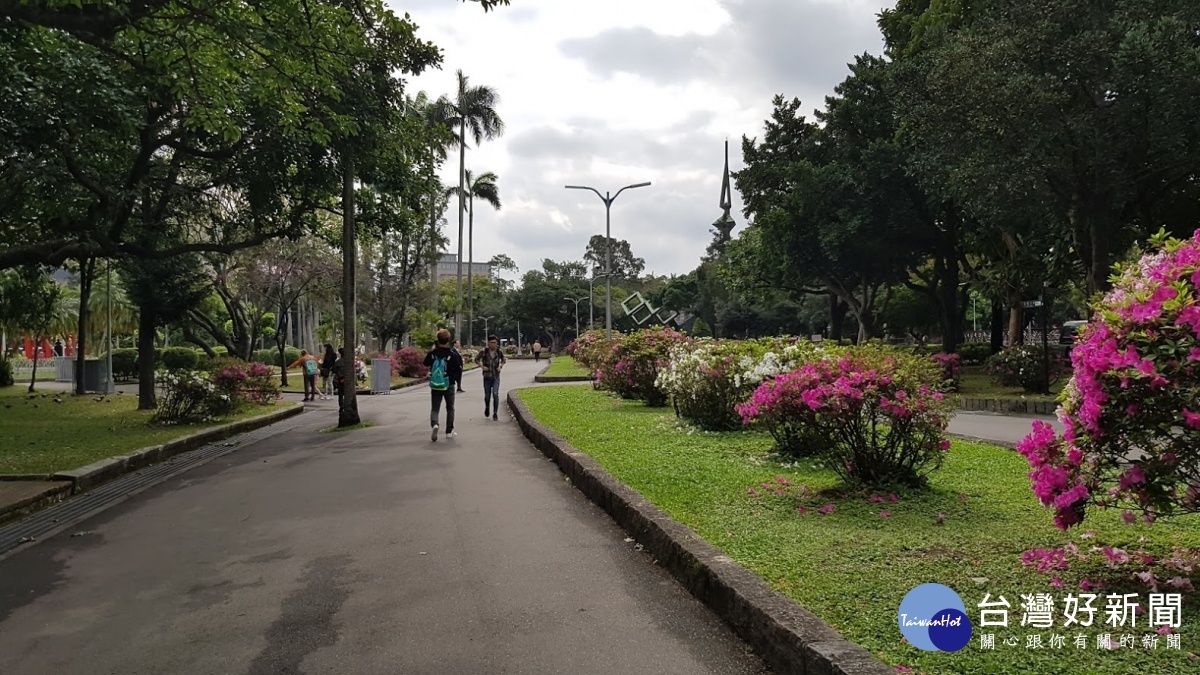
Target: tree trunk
(462,167)
(87,275)
(1099,264)
(348,411)
(997,326)
(471,274)
(281,345)
(146,396)
(1016,326)
(37,350)
(837,317)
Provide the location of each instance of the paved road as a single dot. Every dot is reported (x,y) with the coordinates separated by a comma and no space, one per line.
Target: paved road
(374,551)
(1004,429)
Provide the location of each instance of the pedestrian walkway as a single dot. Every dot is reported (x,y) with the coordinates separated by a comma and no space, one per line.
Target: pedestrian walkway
(1006,430)
(371,551)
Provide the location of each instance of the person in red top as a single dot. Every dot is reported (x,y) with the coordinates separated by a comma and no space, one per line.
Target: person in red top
(310,368)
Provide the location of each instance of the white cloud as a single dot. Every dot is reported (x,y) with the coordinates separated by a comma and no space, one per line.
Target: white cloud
(624,91)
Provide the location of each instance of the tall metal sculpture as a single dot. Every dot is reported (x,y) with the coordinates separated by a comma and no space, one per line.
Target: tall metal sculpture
(725,224)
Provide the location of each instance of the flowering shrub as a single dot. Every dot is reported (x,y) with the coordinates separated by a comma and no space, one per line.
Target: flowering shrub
(253,382)
(630,367)
(591,347)
(1132,409)
(871,415)
(409,362)
(189,397)
(950,365)
(1023,366)
(706,379)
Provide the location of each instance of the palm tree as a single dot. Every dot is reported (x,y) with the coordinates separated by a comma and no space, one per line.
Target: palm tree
(482,186)
(473,109)
(438,138)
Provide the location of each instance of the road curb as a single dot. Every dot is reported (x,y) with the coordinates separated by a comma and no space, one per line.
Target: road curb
(543,379)
(976,439)
(788,637)
(87,477)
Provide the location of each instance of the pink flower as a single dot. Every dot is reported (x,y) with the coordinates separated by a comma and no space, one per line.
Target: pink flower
(1181,583)
(892,497)
(1191,419)
(1165,630)
(1057,582)
(939,518)
(1128,517)
(827,509)
(875,499)
(884,514)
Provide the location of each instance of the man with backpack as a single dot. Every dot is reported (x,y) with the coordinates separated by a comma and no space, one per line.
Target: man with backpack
(445,367)
(491,360)
(310,374)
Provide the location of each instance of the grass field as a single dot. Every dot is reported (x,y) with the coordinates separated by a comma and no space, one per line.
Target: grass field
(565,366)
(39,435)
(854,565)
(976,383)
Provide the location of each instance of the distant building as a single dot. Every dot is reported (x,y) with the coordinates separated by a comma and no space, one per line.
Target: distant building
(448,268)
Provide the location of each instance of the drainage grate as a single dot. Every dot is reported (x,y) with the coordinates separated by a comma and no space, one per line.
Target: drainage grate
(72,509)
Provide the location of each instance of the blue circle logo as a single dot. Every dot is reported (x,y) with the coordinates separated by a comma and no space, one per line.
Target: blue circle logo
(932,617)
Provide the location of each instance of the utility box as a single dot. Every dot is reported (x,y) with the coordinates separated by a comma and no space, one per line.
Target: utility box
(381,376)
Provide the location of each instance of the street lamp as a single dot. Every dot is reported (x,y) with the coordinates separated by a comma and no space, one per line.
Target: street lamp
(576,314)
(485,320)
(608,200)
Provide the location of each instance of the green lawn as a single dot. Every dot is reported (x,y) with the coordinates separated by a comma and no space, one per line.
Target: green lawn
(41,436)
(853,566)
(976,383)
(565,366)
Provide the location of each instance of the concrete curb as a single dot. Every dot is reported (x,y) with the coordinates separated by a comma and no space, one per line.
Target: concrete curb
(54,492)
(87,477)
(1008,406)
(790,639)
(541,378)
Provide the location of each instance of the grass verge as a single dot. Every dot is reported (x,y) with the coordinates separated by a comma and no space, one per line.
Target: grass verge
(974,382)
(42,436)
(855,565)
(565,366)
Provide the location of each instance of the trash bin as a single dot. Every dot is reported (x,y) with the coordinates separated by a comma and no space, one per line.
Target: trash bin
(381,376)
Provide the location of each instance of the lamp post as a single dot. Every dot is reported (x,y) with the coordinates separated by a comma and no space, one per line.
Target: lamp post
(608,199)
(485,320)
(576,314)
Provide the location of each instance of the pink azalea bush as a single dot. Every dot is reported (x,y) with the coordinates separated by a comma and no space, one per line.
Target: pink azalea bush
(252,382)
(1132,410)
(950,364)
(631,365)
(873,415)
(589,349)
(409,362)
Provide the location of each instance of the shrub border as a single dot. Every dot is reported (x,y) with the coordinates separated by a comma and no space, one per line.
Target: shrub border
(788,637)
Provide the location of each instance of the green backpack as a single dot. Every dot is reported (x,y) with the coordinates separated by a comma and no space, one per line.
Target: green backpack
(437,374)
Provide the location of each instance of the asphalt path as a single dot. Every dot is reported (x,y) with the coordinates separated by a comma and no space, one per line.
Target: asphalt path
(370,551)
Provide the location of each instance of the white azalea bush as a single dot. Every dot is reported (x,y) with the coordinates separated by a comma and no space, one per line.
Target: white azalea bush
(189,396)
(706,379)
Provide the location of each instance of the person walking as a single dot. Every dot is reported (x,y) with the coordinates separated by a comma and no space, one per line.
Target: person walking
(328,363)
(458,382)
(491,360)
(309,373)
(444,364)
(537,351)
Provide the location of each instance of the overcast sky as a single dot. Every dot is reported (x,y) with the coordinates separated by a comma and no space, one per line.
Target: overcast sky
(612,92)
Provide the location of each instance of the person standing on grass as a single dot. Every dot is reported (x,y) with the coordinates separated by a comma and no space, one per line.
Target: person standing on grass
(537,351)
(491,361)
(309,373)
(445,366)
(458,382)
(327,365)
